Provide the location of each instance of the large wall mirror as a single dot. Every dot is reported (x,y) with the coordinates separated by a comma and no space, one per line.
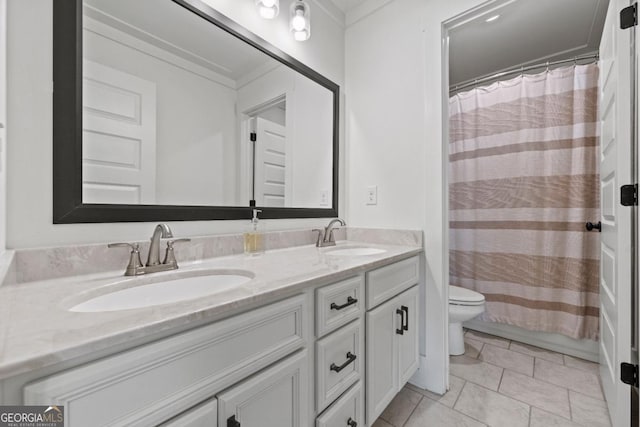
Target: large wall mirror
(167,110)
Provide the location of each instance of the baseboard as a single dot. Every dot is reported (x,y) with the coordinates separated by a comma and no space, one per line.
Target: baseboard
(584,349)
(421,379)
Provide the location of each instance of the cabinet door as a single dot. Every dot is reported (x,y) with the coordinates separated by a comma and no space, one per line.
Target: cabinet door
(408,351)
(381,363)
(203,415)
(275,397)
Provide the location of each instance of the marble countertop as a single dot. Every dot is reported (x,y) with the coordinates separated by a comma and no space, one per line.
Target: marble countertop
(38,331)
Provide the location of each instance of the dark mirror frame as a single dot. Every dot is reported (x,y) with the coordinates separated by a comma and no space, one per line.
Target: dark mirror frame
(67,130)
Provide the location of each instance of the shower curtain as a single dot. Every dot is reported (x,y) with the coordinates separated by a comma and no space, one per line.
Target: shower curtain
(523,182)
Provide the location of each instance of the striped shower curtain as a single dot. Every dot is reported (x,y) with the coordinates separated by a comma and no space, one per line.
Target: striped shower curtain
(523,181)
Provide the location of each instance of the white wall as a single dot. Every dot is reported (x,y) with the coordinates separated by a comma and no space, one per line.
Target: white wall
(312,142)
(29,192)
(195,123)
(3,122)
(394,133)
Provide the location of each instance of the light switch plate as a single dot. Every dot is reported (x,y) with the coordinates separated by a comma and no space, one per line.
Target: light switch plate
(372,195)
(324,198)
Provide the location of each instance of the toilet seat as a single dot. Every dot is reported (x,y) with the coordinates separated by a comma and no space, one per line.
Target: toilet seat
(462,296)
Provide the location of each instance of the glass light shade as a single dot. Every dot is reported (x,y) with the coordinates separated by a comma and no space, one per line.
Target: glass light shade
(300,35)
(268,8)
(300,20)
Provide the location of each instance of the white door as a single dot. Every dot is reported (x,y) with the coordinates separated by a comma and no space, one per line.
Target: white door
(270,158)
(408,352)
(381,358)
(615,171)
(275,397)
(118,137)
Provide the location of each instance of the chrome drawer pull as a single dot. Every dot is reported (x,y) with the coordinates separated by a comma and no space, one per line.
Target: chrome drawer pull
(350,301)
(352,423)
(350,358)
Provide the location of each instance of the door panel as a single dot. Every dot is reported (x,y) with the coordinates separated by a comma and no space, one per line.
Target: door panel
(119,137)
(277,396)
(615,170)
(381,364)
(270,155)
(408,343)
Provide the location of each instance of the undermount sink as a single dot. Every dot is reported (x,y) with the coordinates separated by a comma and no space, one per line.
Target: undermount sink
(172,289)
(355,251)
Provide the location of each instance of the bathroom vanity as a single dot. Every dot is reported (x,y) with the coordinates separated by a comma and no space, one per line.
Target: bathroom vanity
(287,348)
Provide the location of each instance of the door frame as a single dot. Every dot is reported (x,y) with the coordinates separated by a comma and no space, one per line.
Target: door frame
(245,162)
(447,26)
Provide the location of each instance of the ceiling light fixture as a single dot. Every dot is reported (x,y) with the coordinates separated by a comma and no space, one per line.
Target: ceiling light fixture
(493,18)
(300,22)
(268,8)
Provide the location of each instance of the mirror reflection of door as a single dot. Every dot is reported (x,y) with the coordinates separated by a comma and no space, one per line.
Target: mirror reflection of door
(118,137)
(270,151)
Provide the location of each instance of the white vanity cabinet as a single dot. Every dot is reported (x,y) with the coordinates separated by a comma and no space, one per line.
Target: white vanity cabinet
(392,334)
(151,384)
(328,356)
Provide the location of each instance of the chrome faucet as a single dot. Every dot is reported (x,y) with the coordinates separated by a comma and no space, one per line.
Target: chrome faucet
(161,231)
(325,237)
(135,267)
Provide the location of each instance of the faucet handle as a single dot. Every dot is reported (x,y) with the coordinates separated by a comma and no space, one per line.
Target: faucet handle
(134,259)
(169,256)
(320,236)
(133,246)
(171,242)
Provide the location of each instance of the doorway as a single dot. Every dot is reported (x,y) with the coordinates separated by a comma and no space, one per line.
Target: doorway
(488,12)
(265,155)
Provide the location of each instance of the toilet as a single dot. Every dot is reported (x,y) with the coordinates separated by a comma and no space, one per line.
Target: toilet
(464,304)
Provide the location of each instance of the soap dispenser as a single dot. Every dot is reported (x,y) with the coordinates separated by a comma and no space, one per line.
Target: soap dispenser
(254,237)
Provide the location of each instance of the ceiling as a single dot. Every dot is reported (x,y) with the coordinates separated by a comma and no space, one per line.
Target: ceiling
(179,31)
(346,5)
(527,32)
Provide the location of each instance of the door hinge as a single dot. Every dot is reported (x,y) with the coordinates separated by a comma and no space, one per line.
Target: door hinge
(629,16)
(629,195)
(232,422)
(253,137)
(629,374)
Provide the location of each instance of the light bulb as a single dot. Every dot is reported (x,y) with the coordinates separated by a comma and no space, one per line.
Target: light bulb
(268,9)
(267,12)
(298,22)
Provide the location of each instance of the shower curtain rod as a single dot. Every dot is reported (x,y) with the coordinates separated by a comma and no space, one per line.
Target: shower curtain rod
(517,70)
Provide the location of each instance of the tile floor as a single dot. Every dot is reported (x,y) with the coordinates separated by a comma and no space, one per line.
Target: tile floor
(499,382)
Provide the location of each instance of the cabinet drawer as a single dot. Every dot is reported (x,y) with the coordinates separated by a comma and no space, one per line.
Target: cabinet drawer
(349,408)
(203,415)
(387,282)
(152,383)
(338,304)
(339,362)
